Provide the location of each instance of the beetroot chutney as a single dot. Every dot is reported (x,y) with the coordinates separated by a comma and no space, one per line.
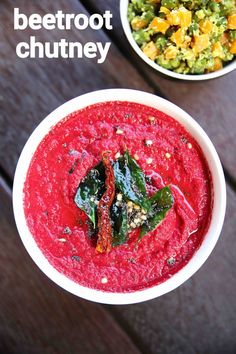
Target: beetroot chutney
(167,154)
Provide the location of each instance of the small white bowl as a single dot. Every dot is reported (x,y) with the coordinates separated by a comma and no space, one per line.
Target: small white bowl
(126,26)
(219,191)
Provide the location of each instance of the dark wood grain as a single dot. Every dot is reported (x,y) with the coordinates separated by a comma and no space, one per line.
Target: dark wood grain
(32,88)
(211,103)
(37,316)
(199,316)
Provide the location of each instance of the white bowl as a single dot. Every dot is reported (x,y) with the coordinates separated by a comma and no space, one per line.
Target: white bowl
(219,190)
(126,26)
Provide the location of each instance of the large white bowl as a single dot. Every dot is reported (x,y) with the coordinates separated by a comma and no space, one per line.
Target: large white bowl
(218,186)
(126,26)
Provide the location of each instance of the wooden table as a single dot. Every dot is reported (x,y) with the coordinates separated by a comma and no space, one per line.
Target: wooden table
(38,317)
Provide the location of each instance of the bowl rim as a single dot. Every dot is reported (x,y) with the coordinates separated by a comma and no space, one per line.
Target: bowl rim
(219,191)
(127,30)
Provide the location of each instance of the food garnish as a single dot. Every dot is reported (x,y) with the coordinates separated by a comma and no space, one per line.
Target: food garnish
(90,190)
(103,210)
(113,195)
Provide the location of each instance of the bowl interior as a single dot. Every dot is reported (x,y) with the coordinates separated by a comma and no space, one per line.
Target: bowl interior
(126,26)
(218,189)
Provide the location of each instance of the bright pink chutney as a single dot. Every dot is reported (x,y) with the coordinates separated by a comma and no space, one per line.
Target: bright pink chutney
(65,156)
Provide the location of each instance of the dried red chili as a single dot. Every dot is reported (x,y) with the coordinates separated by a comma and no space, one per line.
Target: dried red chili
(104,242)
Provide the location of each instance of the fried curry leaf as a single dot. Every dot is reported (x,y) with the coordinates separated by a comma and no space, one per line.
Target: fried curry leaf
(130,180)
(90,189)
(119,219)
(161,201)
